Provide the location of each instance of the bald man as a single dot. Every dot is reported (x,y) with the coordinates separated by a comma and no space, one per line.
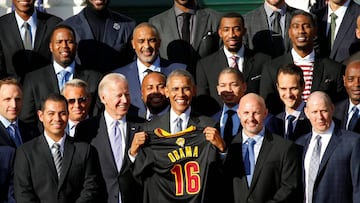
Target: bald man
(255,155)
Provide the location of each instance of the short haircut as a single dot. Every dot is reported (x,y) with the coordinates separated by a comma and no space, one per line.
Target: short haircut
(110,78)
(320,95)
(234,71)
(76,83)
(146,24)
(233,15)
(183,73)
(54,97)
(311,16)
(157,73)
(292,69)
(63,26)
(10,81)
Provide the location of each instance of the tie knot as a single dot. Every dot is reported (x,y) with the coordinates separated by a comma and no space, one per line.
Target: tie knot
(251,141)
(355,109)
(234,57)
(26,25)
(148,70)
(62,73)
(290,118)
(333,16)
(56,146)
(276,14)
(317,138)
(230,113)
(186,16)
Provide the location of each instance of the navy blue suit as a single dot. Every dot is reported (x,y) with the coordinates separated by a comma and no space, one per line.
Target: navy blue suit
(7,154)
(341,114)
(338,175)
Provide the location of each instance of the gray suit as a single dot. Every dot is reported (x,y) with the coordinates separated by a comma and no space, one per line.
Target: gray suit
(131,72)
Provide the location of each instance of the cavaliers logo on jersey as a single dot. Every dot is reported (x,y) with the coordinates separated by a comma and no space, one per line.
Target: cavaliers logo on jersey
(180,141)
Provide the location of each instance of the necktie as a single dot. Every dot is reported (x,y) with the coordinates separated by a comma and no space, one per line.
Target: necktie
(277,34)
(228,129)
(276,27)
(290,127)
(27,36)
(333,17)
(249,159)
(14,134)
(117,148)
(314,167)
(185,30)
(63,77)
(354,119)
(234,63)
(57,158)
(178,126)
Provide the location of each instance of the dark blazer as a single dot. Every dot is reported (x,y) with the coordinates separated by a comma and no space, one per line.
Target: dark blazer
(26,132)
(277,173)
(112,51)
(36,179)
(38,84)
(131,72)
(341,115)
(327,77)
(14,60)
(345,37)
(338,175)
(94,131)
(7,155)
(258,36)
(209,68)
(206,39)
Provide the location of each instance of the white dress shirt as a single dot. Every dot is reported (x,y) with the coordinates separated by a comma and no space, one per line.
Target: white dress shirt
(184,117)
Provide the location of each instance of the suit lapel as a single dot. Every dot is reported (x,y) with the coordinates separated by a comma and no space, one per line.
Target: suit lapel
(67,159)
(317,73)
(5,138)
(82,28)
(172,30)
(46,153)
(201,23)
(40,31)
(111,34)
(51,78)
(334,141)
(12,23)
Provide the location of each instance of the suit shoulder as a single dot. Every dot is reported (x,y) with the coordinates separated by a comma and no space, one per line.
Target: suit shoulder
(256,12)
(49,17)
(39,72)
(5,18)
(119,17)
(211,12)
(160,17)
(212,57)
(125,69)
(330,62)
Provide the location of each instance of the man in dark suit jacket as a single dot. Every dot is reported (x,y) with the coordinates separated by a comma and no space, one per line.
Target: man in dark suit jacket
(7,155)
(291,123)
(272,155)
(180,88)
(344,37)
(69,173)
(333,174)
(203,39)
(15,59)
(345,109)
(231,31)
(103,37)
(38,84)
(13,131)
(146,43)
(114,94)
(320,73)
(260,32)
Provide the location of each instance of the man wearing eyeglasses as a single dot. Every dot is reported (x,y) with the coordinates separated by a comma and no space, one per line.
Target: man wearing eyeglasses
(76,93)
(51,79)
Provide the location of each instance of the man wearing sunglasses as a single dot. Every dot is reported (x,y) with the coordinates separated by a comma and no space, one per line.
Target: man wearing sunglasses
(76,93)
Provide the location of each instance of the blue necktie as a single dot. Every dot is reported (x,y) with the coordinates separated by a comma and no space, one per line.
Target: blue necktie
(14,134)
(178,126)
(63,77)
(354,119)
(249,159)
(290,127)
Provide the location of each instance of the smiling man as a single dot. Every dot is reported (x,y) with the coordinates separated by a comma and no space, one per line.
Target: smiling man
(146,43)
(51,78)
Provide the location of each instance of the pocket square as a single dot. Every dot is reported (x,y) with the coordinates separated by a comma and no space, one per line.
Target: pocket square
(256,77)
(208,34)
(328,80)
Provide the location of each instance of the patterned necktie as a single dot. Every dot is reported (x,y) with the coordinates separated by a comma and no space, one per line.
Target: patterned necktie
(290,127)
(14,134)
(333,17)
(63,77)
(354,119)
(178,125)
(27,36)
(314,167)
(234,63)
(249,159)
(185,30)
(228,129)
(57,158)
(117,148)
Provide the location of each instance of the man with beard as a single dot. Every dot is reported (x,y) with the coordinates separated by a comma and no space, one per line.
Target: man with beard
(234,54)
(187,32)
(146,43)
(319,73)
(153,95)
(103,36)
(24,47)
(347,111)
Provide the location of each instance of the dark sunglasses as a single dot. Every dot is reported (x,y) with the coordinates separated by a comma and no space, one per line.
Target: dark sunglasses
(79,100)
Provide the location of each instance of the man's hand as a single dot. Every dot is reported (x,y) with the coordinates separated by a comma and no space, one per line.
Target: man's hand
(213,136)
(138,141)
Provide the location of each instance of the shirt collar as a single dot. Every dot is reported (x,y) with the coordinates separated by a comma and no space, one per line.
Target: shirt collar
(257,137)
(179,12)
(239,54)
(6,122)
(310,58)
(51,142)
(184,116)
(269,11)
(58,68)
(109,120)
(297,111)
(351,105)
(340,11)
(328,132)
(32,20)
(155,66)
(226,108)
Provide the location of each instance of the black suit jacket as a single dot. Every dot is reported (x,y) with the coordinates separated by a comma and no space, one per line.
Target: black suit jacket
(38,84)
(345,37)
(277,173)
(341,115)
(206,39)
(327,77)
(209,68)
(338,174)
(27,132)
(94,131)
(36,179)
(7,155)
(14,59)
